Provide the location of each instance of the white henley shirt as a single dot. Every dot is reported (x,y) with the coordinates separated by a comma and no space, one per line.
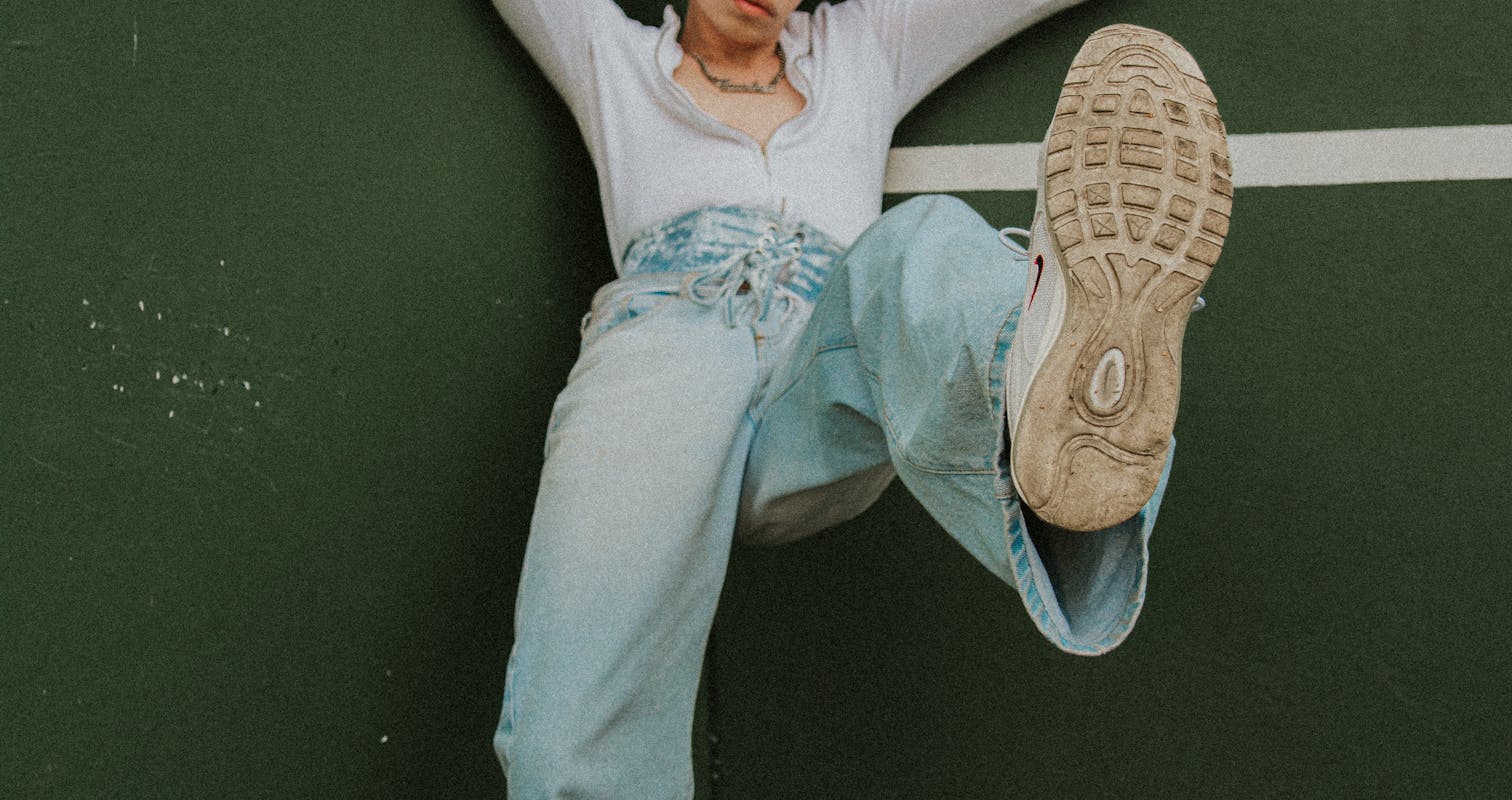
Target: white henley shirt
(859,64)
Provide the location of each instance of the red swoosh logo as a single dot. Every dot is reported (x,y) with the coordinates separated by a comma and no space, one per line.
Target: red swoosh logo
(1039,263)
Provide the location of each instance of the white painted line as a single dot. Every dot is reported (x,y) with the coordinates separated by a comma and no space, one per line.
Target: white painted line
(1466,153)
(962,168)
(1313,158)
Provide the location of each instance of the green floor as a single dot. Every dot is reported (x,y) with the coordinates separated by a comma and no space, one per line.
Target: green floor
(370,231)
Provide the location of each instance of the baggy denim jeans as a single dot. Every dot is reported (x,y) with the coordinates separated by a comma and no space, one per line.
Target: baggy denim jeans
(720,392)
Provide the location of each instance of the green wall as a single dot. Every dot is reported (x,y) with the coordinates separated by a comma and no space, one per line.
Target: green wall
(359,236)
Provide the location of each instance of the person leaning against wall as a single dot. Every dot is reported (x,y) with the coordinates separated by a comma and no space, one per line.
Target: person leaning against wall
(775,350)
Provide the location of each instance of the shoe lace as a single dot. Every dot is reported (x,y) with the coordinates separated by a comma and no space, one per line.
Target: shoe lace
(1006,236)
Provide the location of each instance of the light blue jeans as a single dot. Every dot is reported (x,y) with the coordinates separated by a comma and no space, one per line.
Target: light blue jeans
(720,393)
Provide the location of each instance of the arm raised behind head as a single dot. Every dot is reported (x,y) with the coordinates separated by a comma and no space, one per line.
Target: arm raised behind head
(559,36)
(930,40)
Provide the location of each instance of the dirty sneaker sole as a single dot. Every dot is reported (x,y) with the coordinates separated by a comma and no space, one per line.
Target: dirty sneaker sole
(1137,190)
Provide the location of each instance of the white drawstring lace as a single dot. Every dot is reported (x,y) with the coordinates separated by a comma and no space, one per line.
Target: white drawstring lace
(749,284)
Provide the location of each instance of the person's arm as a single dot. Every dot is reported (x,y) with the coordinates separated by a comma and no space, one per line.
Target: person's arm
(927,41)
(559,35)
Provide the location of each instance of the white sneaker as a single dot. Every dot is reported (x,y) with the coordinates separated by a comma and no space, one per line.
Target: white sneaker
(1134,199)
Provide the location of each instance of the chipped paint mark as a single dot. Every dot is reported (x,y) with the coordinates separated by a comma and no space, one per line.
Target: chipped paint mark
(160,316)
(170,413)
(175,380)
(104,435)
(157,375)
(272,487)
(247,386)
(141,306)
(383,739)
(50,468)
(93,324)
(226,331)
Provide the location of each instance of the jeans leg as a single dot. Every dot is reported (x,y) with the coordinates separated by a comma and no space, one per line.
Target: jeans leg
(901,370)
(627,553)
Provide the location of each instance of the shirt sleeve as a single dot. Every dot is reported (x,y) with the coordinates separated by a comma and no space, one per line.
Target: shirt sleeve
(927,41)
(560,36)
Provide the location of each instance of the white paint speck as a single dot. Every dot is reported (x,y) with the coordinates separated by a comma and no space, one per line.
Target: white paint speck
(383,739)
(225,331)
(141,306)
(200,384)
(246,386)
(223,262)
(86,301)
(170,413)
(93,324)
(257,404)
(158,375)
(175,380)
(160,316)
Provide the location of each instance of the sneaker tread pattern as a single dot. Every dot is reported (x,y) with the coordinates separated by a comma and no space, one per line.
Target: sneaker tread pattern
(1138,194)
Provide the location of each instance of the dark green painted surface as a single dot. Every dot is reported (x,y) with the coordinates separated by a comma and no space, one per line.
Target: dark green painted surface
(369,229)
(374,215)
(1292,65)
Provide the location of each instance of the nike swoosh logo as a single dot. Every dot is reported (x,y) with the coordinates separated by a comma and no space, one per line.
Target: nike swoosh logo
(1039,272)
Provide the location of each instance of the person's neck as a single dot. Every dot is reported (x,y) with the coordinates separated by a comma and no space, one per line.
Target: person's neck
(701,37)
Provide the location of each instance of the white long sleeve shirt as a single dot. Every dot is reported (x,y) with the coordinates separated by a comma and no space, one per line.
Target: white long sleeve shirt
(860,66)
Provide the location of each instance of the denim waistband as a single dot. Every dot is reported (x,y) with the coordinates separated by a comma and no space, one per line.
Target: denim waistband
(730,250)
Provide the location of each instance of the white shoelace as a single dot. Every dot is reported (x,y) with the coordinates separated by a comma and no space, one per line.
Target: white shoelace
(1005,235)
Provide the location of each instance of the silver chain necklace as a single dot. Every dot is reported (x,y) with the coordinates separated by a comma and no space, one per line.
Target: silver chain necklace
(727,85)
